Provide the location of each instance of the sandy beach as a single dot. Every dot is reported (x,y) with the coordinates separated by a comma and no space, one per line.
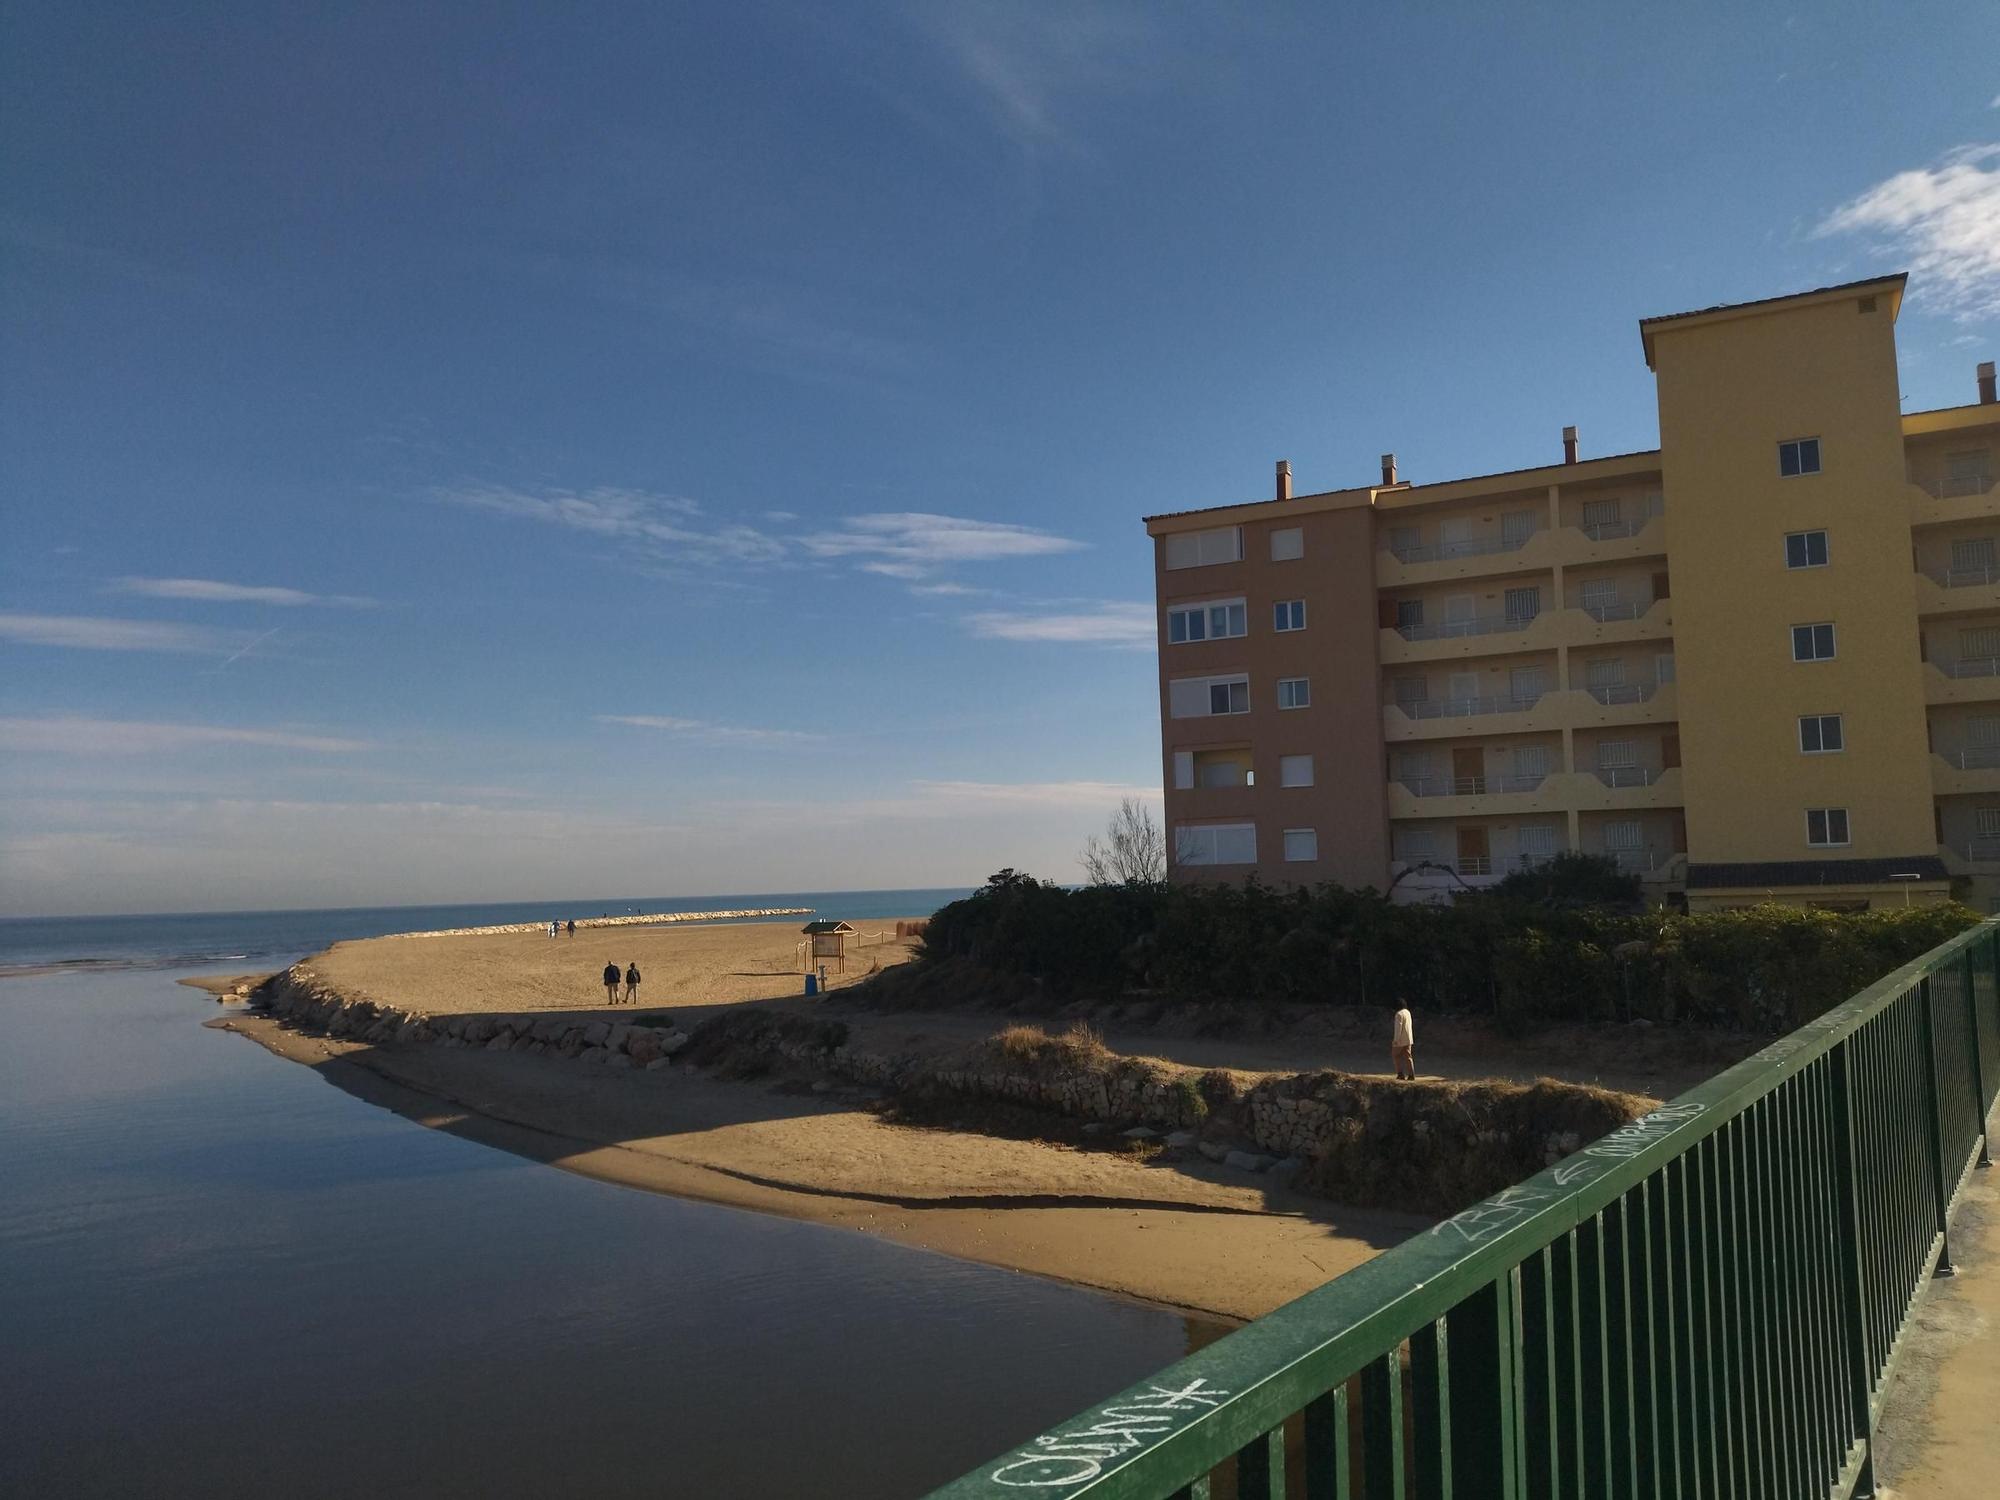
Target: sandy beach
(1189,1235)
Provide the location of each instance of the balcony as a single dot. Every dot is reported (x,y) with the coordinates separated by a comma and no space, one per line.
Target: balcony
(1494,554)
(1625,615)
(1453,551)
(1448,630)
(1974,768)
(1468,786)
(1971,679)
(1978,855)
(1472,796)
(1633,520)
(1621,776)
(1463,708)
(1580,708)
(1938,502)
(1958,590)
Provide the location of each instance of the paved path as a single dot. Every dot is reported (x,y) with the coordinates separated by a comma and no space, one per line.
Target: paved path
(1939,1435)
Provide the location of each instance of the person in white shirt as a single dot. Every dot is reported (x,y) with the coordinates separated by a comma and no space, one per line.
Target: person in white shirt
(1401,1043)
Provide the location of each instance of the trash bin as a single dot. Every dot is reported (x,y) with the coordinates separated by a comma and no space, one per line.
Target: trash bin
(812,984)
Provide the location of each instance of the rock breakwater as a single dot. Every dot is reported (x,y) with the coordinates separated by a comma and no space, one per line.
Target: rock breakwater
(647,919)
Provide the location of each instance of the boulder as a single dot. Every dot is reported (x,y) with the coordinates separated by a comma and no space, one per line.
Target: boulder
(593,1054)
(672,1042)
(659,1063)
(1248,1161)
(595,1033)
(1213,1150)
(643,1045)
(1286,1171)
(618,1036)
(1180,1139)
(501,1043)
(1140,1133)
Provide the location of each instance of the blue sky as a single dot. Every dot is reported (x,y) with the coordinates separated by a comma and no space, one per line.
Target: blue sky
(482,452)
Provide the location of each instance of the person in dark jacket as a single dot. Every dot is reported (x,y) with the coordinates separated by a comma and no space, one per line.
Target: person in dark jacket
(611,983)
(631,984)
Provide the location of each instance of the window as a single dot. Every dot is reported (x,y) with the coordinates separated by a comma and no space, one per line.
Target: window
(1207,622)
(1301,846)
(1409,613)
(1531,762)
(1613,755)
(1972,560)
(1826,826)
(1405,539)
(1516,526)
(1798,456)
(1198,697)
(1526,684)
(1288,543)
(1524,604)
(1600,513)
(1413,765)
(1968,472)
(1624,835)
(1183,770)
(1986,822)
(1605,673)
(1812,643)
(1819,734)
(1598,595)
(1216,844)
(1411,845)
(1663,667)
(1294,692)
(1200,549)
(1289,614)
(1805,549)
(1461,609)
(1295,770)
(1412,689)
(1536,840)
(1979,641)
(1983,731)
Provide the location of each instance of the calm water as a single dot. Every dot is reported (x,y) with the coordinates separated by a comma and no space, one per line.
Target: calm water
(275,938)
(220,1275)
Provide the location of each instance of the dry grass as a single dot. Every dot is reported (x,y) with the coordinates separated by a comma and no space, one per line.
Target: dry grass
(1081,1045)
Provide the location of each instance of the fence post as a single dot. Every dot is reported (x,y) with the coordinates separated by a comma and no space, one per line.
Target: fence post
(1847,1237)
(1934,1125)
(1971,984)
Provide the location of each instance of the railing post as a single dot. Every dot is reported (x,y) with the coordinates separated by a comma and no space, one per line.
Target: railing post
(1971,985)
(1847,1226)
(1934,1125)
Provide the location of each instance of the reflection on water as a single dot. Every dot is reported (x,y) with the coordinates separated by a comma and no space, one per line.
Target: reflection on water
(219,1275)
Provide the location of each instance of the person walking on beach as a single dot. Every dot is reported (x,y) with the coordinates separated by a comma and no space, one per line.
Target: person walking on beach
(611,984)
(631,984)
(570,927)
(1402,1042)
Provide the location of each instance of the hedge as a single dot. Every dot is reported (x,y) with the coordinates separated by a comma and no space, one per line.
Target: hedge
(1767,968)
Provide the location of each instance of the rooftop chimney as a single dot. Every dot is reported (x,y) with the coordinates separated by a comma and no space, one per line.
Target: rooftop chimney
(1986,396)
(1569,445)
(1284,479)
(1388,469)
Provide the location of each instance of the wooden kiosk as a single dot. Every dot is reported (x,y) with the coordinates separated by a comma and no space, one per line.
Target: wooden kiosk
(824,940)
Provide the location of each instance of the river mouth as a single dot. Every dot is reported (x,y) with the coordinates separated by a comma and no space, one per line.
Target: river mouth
(220,1276)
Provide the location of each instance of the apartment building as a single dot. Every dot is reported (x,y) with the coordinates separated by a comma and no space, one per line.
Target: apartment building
(1760,662)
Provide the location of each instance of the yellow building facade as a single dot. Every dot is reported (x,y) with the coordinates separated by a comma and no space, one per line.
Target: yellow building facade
(1761,662)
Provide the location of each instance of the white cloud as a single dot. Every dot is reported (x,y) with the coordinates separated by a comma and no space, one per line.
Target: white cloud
(94,633)
(948,590)
(665,525)
(707,733)
(70,735)
(906,544)
(1108,624)
(209,591)
(1946,220)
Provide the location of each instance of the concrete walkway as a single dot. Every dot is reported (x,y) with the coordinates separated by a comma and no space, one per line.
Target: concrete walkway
(1939,1433)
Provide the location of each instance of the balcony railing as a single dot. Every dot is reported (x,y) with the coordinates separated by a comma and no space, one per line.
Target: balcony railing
(1468,786)
(1628,775)
(1634,861)
(1629,522)
(1955,488)
(1475,864)
(1964,578)
(1982,847)
(1530,860)
(1970,666)
(1459,708)
(1973,757)
(1466,547)
(1605,608)
(1622,692)
(1478,625)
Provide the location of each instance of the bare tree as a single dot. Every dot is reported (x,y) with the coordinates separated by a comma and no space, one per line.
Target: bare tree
(1132,851)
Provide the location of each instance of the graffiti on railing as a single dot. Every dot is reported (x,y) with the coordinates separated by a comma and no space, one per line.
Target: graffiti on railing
(1060,1460)
(1626,1141)
(1484,1220)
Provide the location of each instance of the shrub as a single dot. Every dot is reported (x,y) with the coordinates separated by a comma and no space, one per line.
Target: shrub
(1526,956)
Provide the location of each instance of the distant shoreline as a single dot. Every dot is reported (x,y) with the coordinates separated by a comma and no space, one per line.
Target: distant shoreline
(647,919)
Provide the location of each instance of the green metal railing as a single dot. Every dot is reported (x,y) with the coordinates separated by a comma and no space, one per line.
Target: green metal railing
(1707,1302)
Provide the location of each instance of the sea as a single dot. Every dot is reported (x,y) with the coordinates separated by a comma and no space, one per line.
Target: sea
(221,1275)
